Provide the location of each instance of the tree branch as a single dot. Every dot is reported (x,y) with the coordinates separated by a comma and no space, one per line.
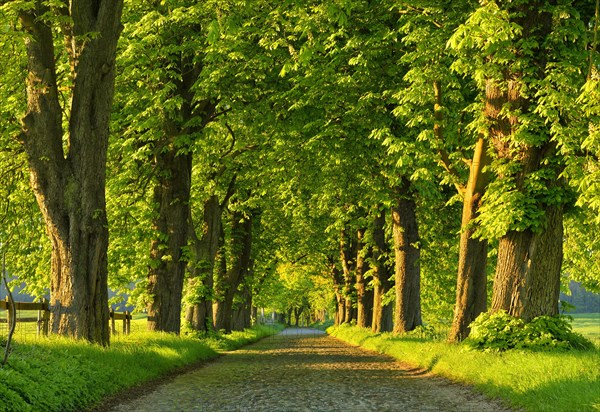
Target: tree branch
(439,136)
(595,40)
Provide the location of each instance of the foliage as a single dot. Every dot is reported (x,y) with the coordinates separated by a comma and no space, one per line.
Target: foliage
(500,332)
(22,233)
(546,381)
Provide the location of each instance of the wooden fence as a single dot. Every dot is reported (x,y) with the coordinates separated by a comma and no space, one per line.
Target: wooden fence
(125,317)
(42,319)
(43,316)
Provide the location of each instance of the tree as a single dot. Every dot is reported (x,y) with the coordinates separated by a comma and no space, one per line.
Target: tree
(382,311)
(407,314)
(235,266)
(66,143)
(524,70)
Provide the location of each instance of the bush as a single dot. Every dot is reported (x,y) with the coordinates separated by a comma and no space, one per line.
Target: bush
(500,332)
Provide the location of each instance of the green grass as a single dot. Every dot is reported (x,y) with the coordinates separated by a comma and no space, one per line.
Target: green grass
(59,374)
(588,324)
(533,381)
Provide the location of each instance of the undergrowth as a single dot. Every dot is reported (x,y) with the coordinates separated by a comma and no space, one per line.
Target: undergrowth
(500,332)
(60,374)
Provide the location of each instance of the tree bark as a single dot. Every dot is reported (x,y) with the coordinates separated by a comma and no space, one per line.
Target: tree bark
(364,296)
(243,311)
(69,181)
(347,254)
(241,233)
(338,284)
(382,314)
(527,280)
(407,314)
(166,274)
(471,285)
(199,311)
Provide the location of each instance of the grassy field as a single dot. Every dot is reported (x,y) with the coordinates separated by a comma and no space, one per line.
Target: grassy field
(550,381)
(588,324)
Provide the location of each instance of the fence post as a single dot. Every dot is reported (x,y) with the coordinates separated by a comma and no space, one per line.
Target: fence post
(127,324)
(8,313)
(112,322)
(46,316)
(39,322)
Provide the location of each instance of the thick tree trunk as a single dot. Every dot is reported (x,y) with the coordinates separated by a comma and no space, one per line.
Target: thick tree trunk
(407,315)
(69,180)
(243,311)
(471,286)
(173,162)
(382,314)
(527,281)
(165,278)
(241,233)
(200,284)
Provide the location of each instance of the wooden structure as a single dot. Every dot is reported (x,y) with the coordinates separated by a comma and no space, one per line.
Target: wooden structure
(42,319)
(125,317)
(43,316)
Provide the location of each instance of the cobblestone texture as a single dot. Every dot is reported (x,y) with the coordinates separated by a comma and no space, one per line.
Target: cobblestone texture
(305,370)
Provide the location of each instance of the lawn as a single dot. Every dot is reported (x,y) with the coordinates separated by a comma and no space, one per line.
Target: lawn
(588,324)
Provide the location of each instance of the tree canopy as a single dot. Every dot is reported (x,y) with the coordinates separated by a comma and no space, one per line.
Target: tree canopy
(305,157)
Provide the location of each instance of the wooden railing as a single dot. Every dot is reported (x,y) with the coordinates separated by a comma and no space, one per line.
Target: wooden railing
(42,319)
(125,317)
(43,316)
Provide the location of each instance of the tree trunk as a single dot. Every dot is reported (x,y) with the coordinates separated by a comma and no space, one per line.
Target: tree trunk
(69,179)
(220,283)
(338,284)
(165,278)
(173,162)
(241,233)
(407,314)
(200,284)
(527,281)
(297,314)
(347,254)
(471,286)
(382,314)
(361,287)
(242,313)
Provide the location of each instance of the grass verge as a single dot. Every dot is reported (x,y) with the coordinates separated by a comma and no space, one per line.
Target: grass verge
(534,381)
(59,374)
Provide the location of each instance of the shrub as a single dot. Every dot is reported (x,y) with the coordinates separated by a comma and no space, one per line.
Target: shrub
(500,331)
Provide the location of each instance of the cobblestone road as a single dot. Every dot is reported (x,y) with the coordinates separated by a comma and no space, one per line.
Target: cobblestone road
(305,370)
